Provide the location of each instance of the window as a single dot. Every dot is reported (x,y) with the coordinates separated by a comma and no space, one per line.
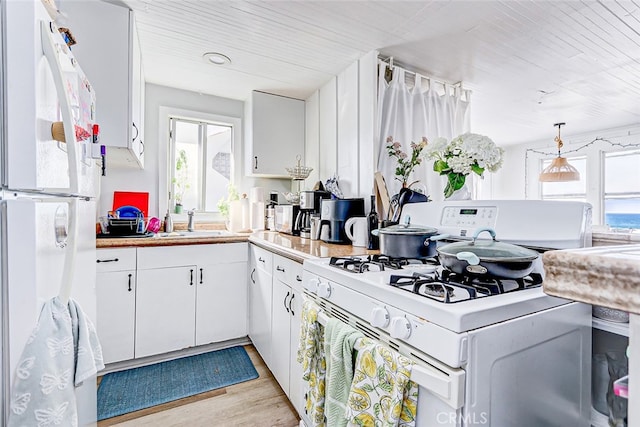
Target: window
(571,190)
(622,189)
(201,163)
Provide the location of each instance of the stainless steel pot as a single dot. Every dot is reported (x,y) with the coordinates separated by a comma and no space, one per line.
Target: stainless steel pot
(487,257)
(407,241)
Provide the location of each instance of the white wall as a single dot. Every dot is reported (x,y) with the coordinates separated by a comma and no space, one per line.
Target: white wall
(118,179)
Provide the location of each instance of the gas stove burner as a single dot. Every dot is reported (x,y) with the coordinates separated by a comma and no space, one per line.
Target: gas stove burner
(492,285)
(398,263)
(355,264)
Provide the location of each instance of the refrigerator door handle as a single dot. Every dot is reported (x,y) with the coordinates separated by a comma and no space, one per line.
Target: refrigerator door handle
(70,256)
(51,53)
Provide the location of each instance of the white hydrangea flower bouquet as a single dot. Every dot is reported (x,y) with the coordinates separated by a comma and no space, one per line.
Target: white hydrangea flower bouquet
(464,154)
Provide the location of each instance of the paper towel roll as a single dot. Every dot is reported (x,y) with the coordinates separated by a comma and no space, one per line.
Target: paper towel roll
(256,194)
(257,216)
(245,213)
(235,216)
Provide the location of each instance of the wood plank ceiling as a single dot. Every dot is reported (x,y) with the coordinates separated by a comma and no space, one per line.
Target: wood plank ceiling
(529,63)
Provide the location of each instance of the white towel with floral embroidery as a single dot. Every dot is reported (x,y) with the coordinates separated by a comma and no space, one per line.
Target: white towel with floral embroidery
(62,351)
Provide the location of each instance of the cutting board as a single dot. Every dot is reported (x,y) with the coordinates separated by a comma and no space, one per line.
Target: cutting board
(139,200)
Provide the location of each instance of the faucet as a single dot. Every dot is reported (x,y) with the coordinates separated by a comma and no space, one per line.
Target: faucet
(190,224)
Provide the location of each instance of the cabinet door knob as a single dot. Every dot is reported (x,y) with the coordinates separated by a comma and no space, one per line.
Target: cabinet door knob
(285,302)
(130,281)
(191,279)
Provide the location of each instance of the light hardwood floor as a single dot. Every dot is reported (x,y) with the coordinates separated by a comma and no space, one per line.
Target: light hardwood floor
(259,402)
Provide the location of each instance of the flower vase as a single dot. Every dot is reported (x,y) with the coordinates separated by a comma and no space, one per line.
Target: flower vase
(463,193)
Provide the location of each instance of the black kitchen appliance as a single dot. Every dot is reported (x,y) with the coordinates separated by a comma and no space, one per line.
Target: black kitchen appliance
(333,215)
(309,205)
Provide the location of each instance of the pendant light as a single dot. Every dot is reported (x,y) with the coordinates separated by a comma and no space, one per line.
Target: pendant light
(559,170)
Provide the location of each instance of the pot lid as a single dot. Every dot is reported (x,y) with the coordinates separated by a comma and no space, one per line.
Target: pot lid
(408,229)
(490,250)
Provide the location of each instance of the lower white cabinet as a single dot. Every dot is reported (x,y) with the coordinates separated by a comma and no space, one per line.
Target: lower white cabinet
(221,302)
(165,311)
(260,289)
(275,293)
(181,296)
(116,307)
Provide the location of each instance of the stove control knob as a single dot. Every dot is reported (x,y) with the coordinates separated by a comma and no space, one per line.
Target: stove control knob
(312,285)
(324,290)
(379,317)
(400,328)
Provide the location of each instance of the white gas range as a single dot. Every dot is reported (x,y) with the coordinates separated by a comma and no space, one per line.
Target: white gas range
(500,352)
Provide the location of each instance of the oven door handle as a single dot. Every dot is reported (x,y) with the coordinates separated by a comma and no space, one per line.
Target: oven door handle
(445,382)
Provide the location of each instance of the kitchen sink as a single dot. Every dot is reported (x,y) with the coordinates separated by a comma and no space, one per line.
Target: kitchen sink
(198,233)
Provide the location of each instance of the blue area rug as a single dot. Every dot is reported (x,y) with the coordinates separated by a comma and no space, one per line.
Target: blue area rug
(140,388)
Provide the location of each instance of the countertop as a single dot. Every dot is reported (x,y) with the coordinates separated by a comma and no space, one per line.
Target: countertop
(607,276)
(299,249)
(295,248)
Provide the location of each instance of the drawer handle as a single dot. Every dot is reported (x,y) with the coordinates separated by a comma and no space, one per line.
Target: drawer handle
(260,259)
(279,268)
(191,280)
(107,260)
(285,302)
(130,281)
(298,278)
(201,275)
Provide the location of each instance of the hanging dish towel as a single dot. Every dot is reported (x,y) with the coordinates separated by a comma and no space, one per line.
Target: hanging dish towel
(311,356)
(339,340)
(62,351)
(381,393)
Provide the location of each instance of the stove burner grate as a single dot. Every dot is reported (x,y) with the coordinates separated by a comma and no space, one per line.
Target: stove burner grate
(376,263)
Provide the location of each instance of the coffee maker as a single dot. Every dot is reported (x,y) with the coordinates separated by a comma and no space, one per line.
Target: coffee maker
(309,206)
(333,216)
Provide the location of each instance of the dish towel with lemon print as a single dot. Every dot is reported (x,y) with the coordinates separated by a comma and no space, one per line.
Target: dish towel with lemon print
(314,367)
(339,340)
(382,393)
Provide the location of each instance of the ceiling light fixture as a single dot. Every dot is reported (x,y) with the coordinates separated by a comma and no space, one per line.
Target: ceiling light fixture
(216,58)
(559,170)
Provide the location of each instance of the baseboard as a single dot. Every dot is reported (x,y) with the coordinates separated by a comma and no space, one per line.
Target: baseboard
(191,351)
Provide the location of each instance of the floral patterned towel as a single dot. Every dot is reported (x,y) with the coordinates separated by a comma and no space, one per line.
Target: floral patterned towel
(381,393)
(314,366)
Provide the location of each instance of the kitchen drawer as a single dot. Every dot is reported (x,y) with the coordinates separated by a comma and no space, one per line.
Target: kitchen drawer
(262,258)
(120,259)
(177,256)
(287,270)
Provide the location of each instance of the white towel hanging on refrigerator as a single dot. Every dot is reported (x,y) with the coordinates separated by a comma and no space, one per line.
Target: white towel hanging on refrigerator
(62,351)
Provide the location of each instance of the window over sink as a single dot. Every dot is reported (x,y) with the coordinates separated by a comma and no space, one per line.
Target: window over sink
(200,162)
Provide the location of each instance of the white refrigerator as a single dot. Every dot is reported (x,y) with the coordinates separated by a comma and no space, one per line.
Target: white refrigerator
(48,188)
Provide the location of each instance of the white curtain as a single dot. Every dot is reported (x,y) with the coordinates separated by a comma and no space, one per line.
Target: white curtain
(409,112)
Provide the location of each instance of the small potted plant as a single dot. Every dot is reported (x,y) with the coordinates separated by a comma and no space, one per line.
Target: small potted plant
(180,179)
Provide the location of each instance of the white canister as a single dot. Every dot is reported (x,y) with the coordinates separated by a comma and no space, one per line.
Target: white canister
(357,230)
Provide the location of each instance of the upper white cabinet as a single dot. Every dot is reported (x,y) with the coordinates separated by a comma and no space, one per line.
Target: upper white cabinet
(109,53)
(274,134)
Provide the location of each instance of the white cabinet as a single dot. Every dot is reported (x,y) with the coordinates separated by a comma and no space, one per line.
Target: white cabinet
(274,135)
(109,53)
(116,299)
(154,300)
(165,310)
(221,302)
(275,295)
(260,288)
(287,279)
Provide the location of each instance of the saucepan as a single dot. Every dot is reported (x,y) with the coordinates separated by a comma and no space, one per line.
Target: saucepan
(487,257)
(408,241)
